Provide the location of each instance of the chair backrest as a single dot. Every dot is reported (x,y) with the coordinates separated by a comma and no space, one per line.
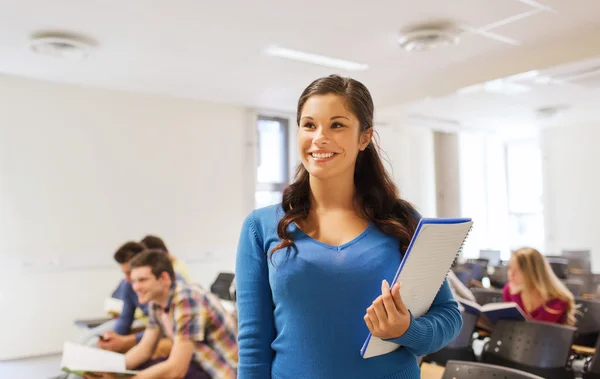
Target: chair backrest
(473,370)
(595,364)
(463,275)
(589,280)
(574,285)
(487,295)
(476,269)
(588,317)
(465,337)
(530,343)
(500,276)
(579,259)
(560,266)
(222,286)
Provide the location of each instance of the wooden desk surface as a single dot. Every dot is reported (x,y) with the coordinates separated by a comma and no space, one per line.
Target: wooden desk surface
(429,371)
(584,350)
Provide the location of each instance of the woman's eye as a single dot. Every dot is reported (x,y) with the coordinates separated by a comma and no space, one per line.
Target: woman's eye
(336,125)
(309,125)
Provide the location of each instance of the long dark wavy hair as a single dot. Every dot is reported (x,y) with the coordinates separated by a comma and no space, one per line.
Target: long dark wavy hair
(376,193)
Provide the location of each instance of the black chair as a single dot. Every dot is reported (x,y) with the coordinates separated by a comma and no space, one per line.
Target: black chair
(472,370)
(560,266)
(588,322)
(539,348)
(500,276)
(461,347)
(223,286)
(586,365)
(592,368)
(589,281)
(485,296)
(478,270)
(575,286)
(463,275)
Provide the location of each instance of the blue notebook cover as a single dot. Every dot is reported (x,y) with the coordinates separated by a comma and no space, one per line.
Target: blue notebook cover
(495,311)
(419,298)
(512,313)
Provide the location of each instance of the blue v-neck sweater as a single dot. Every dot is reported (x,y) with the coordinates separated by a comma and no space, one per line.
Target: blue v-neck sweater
(301,311)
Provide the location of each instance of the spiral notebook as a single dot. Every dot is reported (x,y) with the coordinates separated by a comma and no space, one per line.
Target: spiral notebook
(437,242)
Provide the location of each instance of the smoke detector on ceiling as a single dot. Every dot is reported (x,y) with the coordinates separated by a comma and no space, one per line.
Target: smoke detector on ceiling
(428,37)
(61,45)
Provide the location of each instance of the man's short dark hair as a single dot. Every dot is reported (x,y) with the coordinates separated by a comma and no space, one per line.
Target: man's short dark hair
(154,243)
(157,260)
(127,251)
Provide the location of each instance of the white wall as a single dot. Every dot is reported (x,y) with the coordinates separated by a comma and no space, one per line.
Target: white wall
(409,156)
(571,173)
(83,170)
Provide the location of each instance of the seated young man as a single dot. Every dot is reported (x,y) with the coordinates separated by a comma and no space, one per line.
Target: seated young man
(204,338)
(119,338)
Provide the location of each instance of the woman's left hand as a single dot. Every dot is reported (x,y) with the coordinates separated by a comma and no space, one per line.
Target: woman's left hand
(388,317)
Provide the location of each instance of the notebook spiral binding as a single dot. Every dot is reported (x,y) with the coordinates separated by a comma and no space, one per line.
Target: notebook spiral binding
(460,250)
(458,253)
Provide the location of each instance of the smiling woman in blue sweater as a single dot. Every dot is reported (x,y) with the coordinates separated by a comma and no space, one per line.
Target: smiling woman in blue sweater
(309,271)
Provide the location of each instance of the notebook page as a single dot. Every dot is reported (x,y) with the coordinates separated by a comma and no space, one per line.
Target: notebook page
(497,306)
(90,359)
(424,271)
(428,263)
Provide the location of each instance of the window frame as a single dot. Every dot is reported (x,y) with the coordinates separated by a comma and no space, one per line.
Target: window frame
(285,125)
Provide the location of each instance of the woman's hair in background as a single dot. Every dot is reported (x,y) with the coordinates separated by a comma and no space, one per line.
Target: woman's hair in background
(376,193)
(538,274)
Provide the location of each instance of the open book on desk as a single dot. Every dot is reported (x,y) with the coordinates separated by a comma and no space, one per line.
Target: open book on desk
(79,359)
(433,248)
(495,312)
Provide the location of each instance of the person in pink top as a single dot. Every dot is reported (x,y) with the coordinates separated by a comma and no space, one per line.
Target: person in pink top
(537,290)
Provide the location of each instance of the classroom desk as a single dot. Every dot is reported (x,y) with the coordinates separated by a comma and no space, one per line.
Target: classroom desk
(577,349)
(92,323)
(583,350)
(429,371)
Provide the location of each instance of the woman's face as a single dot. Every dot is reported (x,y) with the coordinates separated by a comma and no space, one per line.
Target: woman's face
(329,137)
(515,276)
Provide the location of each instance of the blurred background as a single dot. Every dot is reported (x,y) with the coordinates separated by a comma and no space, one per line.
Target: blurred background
(177,118)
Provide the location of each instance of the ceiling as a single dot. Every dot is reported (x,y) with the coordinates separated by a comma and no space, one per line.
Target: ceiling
(517,105)
(214,50)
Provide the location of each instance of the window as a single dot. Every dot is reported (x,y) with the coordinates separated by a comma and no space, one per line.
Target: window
(524,192)
(272,160)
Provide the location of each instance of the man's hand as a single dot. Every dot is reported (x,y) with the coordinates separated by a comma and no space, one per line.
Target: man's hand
(388,317)
(115,342)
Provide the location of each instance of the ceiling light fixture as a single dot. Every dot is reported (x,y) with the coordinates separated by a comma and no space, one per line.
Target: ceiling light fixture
(321,60)
(500,86)
(61,45)
(428,37)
